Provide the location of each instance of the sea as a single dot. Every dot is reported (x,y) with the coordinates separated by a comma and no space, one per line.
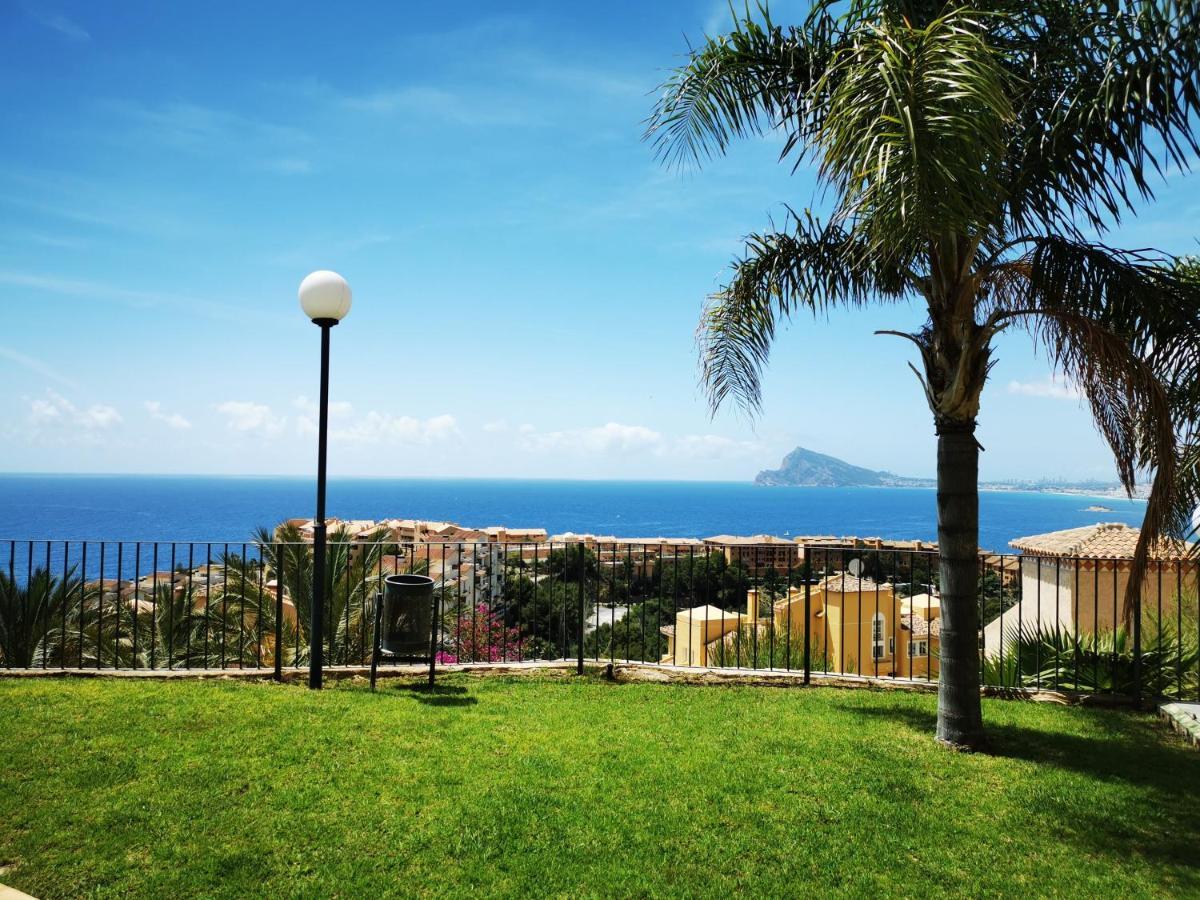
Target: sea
(228,509)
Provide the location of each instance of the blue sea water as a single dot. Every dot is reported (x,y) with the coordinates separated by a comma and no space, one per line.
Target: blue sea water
(195,508)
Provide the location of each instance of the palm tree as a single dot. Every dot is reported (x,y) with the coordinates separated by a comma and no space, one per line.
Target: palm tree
(975,155)
(171,631)
(30,612)
(90,634)
(354,569)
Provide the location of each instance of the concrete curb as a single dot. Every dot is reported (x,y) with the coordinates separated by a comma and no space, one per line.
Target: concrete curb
(1184,718)
(618,671)
(10,893)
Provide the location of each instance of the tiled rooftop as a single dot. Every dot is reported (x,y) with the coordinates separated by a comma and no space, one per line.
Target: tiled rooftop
(849,584)
(1105,540)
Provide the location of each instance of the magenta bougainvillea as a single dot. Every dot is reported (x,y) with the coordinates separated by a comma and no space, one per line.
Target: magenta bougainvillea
(480,635)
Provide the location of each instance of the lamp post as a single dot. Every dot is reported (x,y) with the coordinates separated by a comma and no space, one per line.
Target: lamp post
(325,298)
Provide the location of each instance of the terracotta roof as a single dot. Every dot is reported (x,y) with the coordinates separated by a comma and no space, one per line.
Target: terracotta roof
(919,626)
(1105,540)
(570,537)
(848,584)
(853,542)
(708,613)
(735,540)
(920,601)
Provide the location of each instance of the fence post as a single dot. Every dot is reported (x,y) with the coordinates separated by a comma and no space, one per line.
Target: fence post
(582,582)
(807,613)
(280,556)
(433,630)
(1137,647)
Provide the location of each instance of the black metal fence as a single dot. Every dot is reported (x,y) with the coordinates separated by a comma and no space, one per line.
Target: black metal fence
(1057,623)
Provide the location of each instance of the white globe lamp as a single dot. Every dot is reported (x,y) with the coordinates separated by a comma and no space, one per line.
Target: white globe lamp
(325,297)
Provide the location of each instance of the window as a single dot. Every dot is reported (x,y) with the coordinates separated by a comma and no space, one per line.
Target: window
(877,630)
(918,648)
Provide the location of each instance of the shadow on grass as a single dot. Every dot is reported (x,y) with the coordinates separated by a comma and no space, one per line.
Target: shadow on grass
(438,694)
(1124,748)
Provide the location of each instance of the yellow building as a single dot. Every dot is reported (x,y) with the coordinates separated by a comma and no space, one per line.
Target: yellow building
(856,626)
(859,626)
(756,553)
(689,639)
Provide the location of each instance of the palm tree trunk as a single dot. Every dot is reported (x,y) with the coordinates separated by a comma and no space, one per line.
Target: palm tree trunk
(960,719)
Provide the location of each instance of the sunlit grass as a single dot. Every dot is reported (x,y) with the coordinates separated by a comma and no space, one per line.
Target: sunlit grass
(519,786)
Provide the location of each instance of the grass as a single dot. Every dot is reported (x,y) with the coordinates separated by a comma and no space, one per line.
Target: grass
(559,786)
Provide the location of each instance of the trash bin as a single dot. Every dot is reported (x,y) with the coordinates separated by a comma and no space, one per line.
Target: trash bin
(407,617)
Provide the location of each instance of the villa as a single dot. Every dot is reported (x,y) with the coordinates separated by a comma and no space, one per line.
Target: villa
(856,626)
(861,626)
(1075,580)
(697,631)
(756,553)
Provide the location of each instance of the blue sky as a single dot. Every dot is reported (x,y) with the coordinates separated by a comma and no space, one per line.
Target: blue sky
(527,278)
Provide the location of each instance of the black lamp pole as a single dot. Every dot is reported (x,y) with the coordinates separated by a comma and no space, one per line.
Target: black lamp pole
(316,651)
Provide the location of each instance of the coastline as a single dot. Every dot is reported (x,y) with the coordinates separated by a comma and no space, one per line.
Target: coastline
(1115,493)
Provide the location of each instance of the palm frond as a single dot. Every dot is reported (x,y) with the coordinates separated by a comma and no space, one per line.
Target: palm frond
(746,82)
(1096,78)
(812,265)
(1125,327)
(916,128)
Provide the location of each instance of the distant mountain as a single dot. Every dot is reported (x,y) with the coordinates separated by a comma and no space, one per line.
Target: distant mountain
(807,468)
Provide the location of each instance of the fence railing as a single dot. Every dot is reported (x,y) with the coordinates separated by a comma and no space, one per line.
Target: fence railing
(1057,623)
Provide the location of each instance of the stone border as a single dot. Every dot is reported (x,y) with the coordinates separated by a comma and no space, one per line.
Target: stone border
(292,674)
(695,675)
(658,673)
(1184,718)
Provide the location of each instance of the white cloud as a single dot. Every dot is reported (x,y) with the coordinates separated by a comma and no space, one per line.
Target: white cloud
(1053,387)
(306,421)
(309,407)
(99,416)
(376,427)
(615,438)
(497,427)
(171,420)
(608,438)
(251,418)
(715,446)
(56,410)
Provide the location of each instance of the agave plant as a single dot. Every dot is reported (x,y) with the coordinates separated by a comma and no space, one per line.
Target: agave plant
(1103,662)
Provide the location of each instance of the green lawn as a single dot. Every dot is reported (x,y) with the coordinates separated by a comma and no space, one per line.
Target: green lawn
(563,786)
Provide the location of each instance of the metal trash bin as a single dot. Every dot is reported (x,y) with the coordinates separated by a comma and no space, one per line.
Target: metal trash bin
(407,617)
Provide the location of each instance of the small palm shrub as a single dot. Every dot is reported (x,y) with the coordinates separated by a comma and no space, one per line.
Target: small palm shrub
(1102,662)
(765,646)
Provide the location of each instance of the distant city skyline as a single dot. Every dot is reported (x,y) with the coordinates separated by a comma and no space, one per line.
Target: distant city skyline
(527,277)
